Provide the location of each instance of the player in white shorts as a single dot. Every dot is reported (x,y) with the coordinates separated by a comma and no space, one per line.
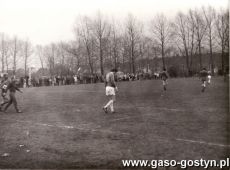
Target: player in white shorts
(209,77)
(164,76)
(203,76)
(110,88)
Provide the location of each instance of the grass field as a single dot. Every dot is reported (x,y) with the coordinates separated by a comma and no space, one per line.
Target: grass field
(65,127)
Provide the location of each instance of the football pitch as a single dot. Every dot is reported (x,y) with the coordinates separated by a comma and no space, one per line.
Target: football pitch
(65,126)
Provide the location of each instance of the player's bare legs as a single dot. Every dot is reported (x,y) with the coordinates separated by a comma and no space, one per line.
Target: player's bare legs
(164,84)
(203,86)
(112,99)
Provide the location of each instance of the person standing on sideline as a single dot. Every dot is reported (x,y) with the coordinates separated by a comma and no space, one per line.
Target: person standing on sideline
(203,77)
(164,76)
(110,88)
(4,90)
(12,88)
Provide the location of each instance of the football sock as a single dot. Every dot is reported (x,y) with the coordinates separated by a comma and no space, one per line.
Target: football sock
(109,103)
(111,107)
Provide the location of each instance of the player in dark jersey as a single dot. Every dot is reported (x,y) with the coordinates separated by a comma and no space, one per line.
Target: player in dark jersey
(203,77)
(12,88)
(4,89)
(164,77)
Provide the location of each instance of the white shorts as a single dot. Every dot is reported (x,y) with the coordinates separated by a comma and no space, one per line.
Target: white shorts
(109,91)
(204,84)
(165,82)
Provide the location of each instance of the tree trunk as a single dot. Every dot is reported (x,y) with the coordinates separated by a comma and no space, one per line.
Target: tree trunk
(101,59)
(3,54)
(132,58)
(25,65)
(15,55)
(211,57)
(163,54)
(115,57)
(89,60)
(200,55)
(222,59)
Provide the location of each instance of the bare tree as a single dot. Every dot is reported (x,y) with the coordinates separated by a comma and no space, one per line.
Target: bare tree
(191,41)
(222,28)
(155,50)
(61,53)
(200,29)
(116,43)
(125,53)
(3,51)
(74,48)
(102,32)
(133,31)
(27,53)
(145,53)
(61,56)
(210,16)
(40,53)
(83,31)
(15,50)
(6,57)
(7,54)
(184,29)
(49,54)
(160,28)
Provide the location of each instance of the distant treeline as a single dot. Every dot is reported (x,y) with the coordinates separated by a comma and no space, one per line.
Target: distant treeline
(186,43)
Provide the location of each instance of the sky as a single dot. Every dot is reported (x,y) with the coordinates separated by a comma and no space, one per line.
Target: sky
(47,21)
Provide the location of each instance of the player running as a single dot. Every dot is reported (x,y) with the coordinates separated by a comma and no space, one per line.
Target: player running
(209,77)
(12,88)
(110,88)
(4,89)
(164,77)
(203,76)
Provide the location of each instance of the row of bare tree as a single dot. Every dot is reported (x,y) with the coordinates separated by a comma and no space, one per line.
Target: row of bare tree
(14,51)
(101,43)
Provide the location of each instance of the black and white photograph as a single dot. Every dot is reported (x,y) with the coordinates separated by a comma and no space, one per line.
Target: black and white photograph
(114,84)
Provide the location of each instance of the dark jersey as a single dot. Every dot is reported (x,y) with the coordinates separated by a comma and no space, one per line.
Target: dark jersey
(203,75)
(12,87)
(164,75)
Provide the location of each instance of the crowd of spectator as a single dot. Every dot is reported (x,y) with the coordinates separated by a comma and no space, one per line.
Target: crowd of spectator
(138,76)
(82,79)
(58,80)
(26,81)
(65,80)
